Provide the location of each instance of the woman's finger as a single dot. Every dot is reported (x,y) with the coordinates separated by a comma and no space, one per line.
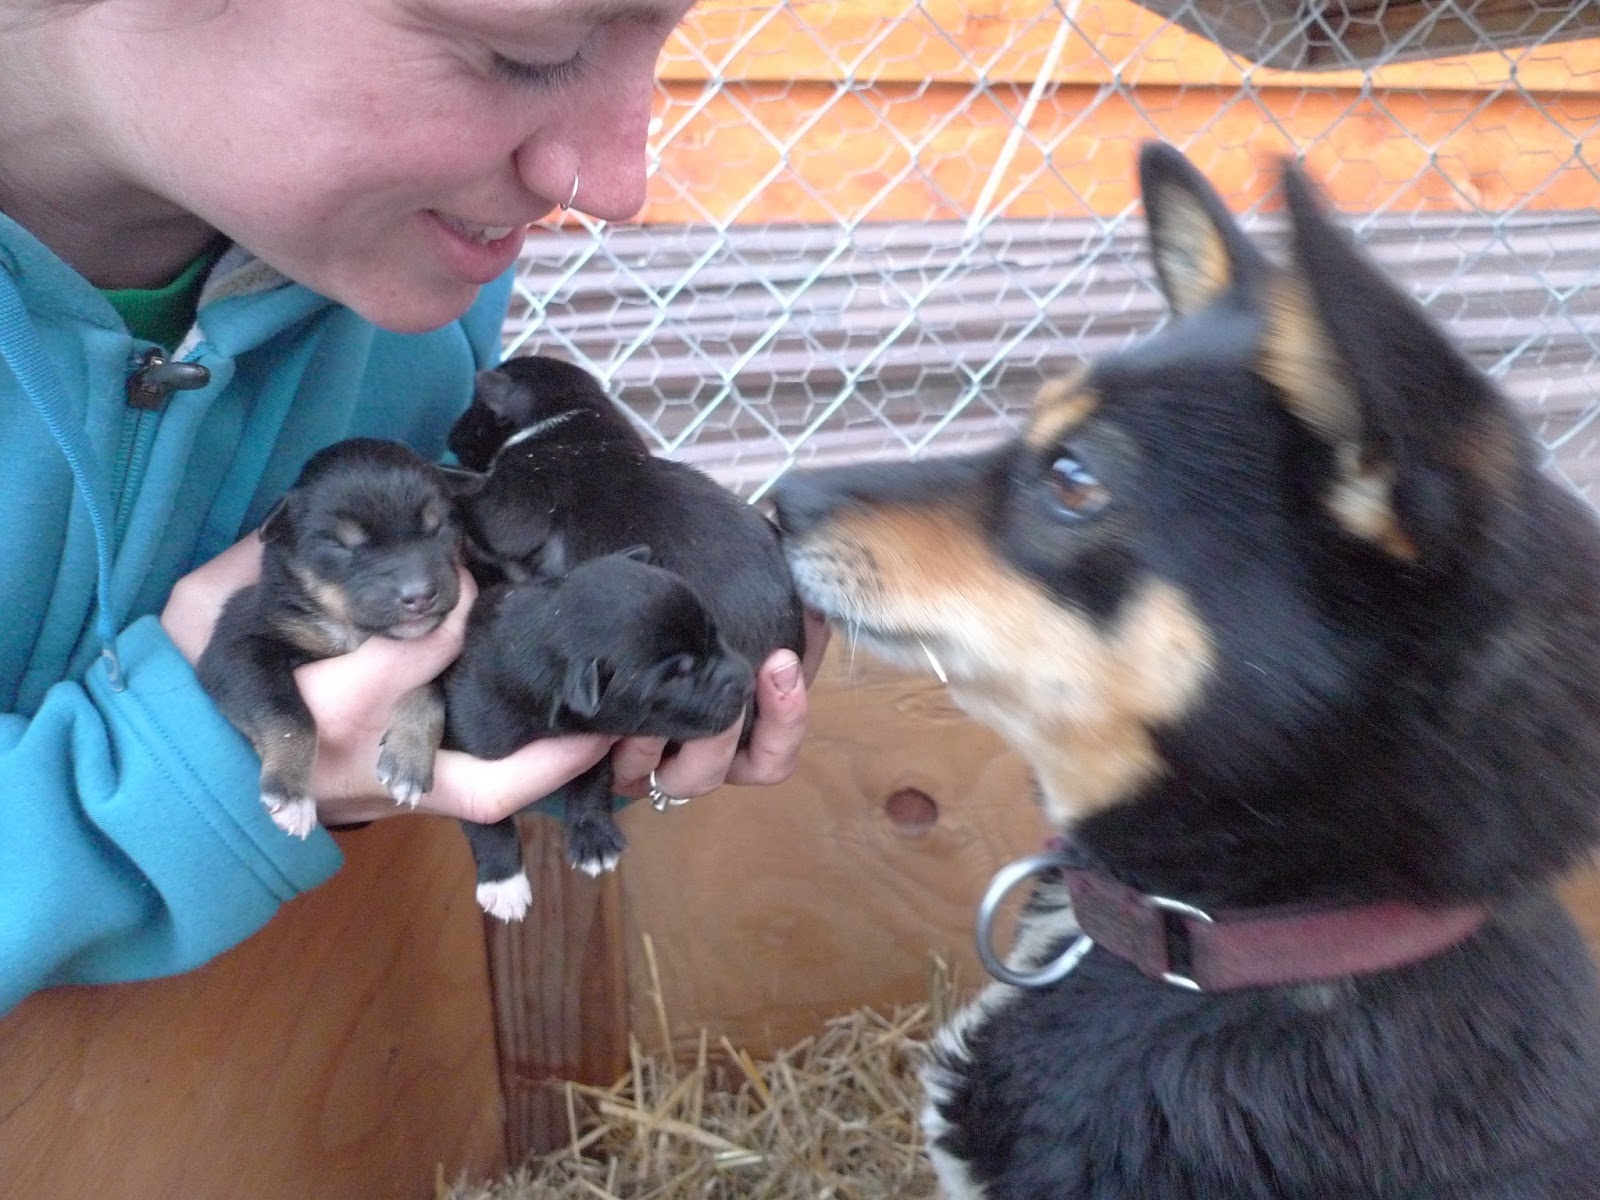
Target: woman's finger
(485,790)
(632,760)
(780,725)
(696,768)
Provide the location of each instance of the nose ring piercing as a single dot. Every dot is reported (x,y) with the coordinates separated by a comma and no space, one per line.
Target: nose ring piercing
(574,195)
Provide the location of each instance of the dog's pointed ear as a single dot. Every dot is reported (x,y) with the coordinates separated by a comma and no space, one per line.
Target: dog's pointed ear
(1414,428)
(1199,251)
(580,689)
(459,483)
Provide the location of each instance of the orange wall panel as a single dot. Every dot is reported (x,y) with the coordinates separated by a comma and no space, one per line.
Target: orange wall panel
(808,152)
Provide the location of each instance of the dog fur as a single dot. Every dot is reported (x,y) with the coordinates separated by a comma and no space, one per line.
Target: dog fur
(1281,610)
(365,543)
(614,645)
(556,476)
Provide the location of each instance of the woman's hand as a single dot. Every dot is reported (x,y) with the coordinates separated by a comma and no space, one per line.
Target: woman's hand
(775,739)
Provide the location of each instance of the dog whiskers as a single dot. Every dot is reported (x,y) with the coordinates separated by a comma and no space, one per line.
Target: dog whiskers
(934,663)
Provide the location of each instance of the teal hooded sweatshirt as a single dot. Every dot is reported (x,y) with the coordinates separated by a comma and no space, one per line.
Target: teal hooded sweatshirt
(132,839)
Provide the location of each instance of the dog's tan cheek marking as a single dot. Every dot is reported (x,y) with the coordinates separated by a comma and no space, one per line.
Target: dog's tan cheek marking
(1298,359)
(1076,702)
(1061,406)
(1079,705)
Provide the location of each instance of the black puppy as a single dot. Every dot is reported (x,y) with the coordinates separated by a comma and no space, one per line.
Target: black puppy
(365,543)
(565,479)
(613,646)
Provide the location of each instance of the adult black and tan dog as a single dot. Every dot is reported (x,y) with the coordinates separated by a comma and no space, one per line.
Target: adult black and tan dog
(611,645)
(1304,652)
(365,543)
(557,478)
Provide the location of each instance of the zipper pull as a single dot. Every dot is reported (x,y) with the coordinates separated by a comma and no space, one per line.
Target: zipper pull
(157,377)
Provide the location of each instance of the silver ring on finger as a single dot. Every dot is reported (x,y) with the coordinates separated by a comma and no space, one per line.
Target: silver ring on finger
(662,800)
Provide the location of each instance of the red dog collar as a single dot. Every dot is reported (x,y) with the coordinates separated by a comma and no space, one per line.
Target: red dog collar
(1259,947)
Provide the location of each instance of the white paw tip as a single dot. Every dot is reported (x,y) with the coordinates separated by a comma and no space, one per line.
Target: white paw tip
(506,899)
(295,817)
(407,797)
(595,867)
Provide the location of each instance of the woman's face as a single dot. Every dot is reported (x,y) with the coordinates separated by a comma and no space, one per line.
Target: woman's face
(385,153)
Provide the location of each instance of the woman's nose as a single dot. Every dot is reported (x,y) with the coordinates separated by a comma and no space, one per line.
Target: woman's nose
(596,162)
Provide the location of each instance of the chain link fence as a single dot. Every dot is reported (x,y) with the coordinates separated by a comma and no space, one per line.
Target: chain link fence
(876,226)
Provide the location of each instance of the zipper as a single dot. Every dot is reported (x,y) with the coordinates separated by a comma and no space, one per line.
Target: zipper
(151,382)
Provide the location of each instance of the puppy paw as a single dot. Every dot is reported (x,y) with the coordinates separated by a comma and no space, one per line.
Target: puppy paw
(406,775)
(594,845)
(295,815)
(506,899)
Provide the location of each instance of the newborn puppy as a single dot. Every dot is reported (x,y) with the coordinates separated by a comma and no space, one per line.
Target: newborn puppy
(565,478)
(365,542)
(613,646)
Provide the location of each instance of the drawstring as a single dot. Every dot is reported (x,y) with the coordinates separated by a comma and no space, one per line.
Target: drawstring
(20,348)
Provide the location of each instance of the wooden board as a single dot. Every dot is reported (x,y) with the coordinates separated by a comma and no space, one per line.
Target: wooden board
(344,1051)
(773,909)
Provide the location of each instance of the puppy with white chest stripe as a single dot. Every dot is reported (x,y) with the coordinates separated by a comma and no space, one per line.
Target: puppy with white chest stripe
(557,477)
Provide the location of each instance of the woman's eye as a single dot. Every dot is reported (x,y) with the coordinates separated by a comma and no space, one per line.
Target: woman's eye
(1074,490)
(538,75)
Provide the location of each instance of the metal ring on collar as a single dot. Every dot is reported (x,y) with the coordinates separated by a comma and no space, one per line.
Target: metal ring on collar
(1006,878)
(660,800)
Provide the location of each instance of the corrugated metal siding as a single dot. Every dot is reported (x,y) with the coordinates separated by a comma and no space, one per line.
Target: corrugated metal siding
(745,349)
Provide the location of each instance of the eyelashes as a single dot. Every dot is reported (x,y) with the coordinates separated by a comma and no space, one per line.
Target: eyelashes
(544,76)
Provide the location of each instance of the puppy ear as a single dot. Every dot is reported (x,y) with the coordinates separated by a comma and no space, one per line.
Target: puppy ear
(459,483)
(580,689)
(1199,251)
(552,559)
(277,527)
(500,394)
(1414,428)
(641,554)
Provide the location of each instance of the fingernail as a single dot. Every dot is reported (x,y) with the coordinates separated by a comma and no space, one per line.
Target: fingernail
(787,677)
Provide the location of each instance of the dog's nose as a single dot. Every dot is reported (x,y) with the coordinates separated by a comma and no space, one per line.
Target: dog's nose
(800,503)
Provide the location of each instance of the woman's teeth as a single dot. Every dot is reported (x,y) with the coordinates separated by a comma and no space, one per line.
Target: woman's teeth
(482,234)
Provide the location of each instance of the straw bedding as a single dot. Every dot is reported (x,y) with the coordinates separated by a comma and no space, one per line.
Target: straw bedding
(833,1118)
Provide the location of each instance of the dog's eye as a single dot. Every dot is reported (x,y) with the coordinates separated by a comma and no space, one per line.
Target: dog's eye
(1075,491)
(679,666)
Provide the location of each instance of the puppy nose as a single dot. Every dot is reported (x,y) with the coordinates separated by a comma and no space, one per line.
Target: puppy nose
(735,680)
(418,595)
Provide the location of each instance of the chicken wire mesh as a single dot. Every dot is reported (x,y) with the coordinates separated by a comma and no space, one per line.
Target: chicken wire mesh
(876,226)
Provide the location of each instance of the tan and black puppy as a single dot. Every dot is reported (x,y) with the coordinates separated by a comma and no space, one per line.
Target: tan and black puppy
(365,544)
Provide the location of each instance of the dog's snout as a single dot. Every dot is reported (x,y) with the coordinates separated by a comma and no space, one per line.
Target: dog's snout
(800,503)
